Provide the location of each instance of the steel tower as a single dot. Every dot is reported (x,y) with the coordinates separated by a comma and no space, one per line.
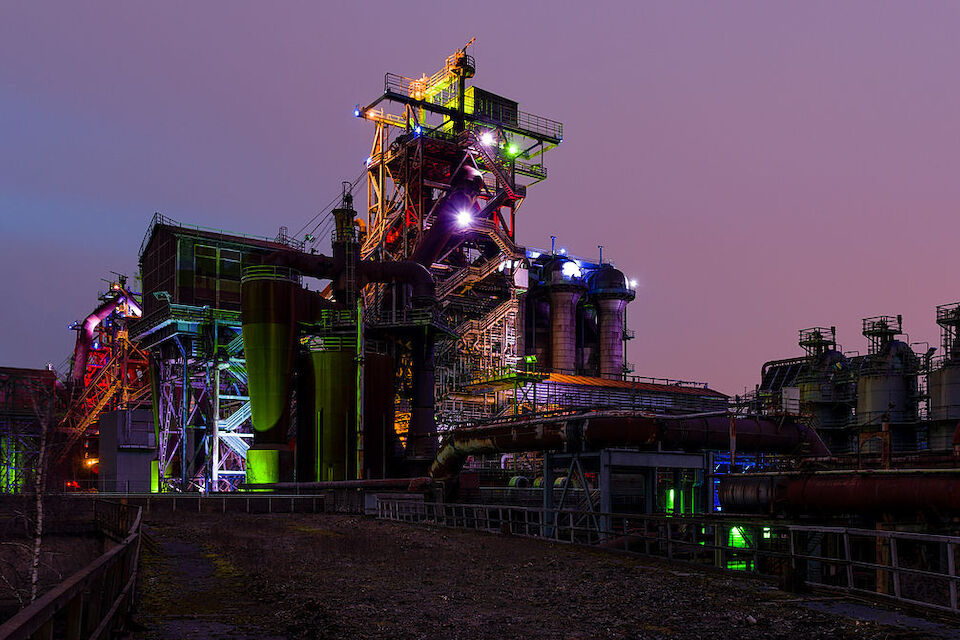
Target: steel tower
(448,169)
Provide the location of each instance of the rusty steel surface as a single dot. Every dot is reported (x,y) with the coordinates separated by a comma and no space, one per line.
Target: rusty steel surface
(623,428)
(900,491)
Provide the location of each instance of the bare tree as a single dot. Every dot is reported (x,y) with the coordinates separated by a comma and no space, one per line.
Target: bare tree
(44,416)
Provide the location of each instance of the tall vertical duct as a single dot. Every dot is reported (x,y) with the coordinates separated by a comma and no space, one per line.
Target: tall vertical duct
(268,313)
(565,288)
(422,437)
(380,440)
(608,288)
(335,375)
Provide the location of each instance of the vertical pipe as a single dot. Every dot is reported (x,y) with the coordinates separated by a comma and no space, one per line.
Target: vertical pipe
(422,441)
(359,426)
(563,325)
(184,416)
(215,454)
(611,312)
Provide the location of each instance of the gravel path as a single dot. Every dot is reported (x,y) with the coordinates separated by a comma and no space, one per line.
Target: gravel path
(327,576)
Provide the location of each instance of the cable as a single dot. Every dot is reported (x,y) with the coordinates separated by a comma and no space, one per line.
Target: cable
(326,221)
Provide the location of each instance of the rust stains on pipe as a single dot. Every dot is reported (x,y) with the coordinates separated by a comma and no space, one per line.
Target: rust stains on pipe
(81,350)
(528,436)
(703,432)
(623,428)
(406,271)
(410,484)
(838,492)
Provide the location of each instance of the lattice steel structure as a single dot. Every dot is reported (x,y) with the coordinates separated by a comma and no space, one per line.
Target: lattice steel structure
(448,169)
(115,372)
(191,329)
(28,397)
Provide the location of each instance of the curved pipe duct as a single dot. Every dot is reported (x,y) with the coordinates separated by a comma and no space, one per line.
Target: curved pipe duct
(313,264)
(611,428)
(409,272)
(81,350)
(464,191)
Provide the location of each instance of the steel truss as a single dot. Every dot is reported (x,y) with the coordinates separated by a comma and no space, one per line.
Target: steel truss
(441,128)
(28,397)
(202,400)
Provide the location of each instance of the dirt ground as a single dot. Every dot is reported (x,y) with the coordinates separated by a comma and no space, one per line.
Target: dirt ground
(328,576)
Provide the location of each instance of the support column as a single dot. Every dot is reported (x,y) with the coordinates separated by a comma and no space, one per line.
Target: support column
(611,336)
(563,327)
(422,437)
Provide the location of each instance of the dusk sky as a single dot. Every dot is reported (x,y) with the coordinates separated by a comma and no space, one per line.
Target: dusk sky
(758,167)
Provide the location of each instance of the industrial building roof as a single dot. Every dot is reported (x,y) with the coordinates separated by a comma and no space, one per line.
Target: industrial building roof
(669,387)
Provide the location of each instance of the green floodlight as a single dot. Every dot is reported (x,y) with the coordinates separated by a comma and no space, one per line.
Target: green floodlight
(530,359)
(513,150)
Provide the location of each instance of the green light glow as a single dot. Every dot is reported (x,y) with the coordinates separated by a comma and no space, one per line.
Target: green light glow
(736,538)
(513,150)
(263,466)
(154,476)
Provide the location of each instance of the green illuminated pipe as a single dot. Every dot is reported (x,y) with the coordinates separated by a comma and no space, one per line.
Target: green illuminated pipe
(334,374)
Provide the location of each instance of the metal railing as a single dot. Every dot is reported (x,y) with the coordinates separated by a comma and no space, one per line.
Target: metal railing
(914,568)
(93,601)
(160,219)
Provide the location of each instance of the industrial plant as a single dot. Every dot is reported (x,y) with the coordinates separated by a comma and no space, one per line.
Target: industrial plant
(430,360)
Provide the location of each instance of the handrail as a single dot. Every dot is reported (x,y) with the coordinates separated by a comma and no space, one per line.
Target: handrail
(90,599)
(830,558)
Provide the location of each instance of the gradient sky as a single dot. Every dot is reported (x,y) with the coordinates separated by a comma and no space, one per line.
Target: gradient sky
(758,167)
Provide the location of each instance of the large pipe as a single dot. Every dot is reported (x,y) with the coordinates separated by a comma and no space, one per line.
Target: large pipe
(843,492)
(622,428)
(411,484)
(465,187)
(409,272)
(704,432)
(541,435)
(85,333)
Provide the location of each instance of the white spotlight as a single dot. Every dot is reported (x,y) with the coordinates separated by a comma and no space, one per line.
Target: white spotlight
(571,270)
(486,139)
(464,219)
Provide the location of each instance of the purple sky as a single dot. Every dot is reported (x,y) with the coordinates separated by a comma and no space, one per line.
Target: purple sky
(758,168)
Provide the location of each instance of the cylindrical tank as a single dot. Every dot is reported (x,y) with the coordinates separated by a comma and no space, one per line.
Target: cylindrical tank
(824,389)
(944,389)
(268,303)
(335,384)
(887,386)
(565,287)
(379,437)
(608,287)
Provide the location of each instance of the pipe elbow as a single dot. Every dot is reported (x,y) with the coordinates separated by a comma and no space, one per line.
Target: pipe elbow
(407,272)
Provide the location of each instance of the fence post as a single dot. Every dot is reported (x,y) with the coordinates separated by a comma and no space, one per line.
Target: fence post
(849,557)
(895,563)
(952,568)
